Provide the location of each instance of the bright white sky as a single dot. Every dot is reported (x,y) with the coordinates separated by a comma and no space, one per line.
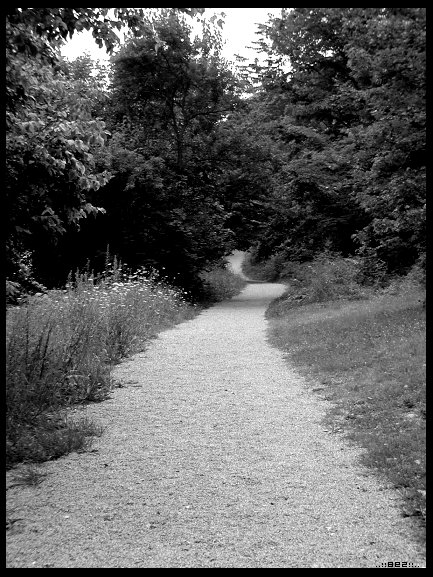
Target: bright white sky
(238,32)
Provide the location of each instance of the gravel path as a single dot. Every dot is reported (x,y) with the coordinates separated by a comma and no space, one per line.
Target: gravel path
(213,456)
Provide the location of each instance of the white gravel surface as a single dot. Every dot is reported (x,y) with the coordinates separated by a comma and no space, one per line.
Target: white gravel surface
(213,455)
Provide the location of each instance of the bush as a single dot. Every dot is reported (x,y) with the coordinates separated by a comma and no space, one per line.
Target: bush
(412,286)
(328,277)
(331,277)
(220,284)
(372,271)
(263,270)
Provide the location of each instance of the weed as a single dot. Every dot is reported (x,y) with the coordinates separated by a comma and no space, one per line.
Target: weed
(29,474)
(50,437)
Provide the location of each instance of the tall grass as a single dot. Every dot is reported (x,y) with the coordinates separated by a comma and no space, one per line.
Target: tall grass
(61,346)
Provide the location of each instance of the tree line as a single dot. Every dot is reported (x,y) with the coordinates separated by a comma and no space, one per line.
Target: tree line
(172,159)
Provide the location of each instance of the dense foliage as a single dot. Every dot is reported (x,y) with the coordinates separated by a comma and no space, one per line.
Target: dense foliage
(172,159)
(169,93)
(345,89)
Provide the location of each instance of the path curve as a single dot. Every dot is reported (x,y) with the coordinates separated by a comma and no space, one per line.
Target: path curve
(213,456)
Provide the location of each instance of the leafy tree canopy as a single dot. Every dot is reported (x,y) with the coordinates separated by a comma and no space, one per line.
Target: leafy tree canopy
(348,85)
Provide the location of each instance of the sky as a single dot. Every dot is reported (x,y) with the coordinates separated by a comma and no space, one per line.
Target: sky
(238,32)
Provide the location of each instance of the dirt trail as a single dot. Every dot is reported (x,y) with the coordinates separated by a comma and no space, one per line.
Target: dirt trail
(213,456)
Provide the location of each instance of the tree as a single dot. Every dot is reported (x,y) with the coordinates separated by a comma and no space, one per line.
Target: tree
(247,156)
(52,133)
(169,94)
(182,85)
(387,60)
(351,107)
(39,32)
(50,167)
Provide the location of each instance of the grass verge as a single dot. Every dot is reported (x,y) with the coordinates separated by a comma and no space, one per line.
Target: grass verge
(368,357)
